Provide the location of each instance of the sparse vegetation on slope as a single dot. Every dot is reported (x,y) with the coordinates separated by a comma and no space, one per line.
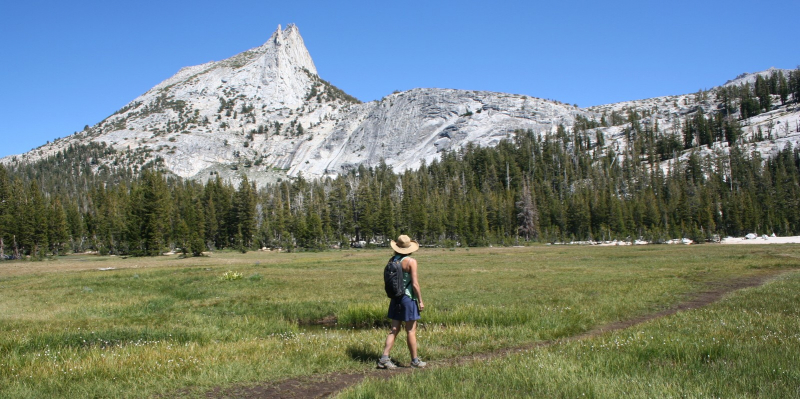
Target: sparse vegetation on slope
(532,188)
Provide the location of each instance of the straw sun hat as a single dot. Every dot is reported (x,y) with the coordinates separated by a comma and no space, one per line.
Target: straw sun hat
(404,245)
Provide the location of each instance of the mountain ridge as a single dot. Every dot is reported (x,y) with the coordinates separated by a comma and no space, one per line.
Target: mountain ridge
(266,113)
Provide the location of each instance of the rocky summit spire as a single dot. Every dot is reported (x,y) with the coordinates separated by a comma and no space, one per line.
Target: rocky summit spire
(267,114)
(280,73)
(287,47)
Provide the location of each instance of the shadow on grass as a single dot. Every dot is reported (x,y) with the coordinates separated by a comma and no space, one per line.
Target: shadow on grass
(363,355)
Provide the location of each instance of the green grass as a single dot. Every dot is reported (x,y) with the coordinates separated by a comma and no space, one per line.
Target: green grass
(168,325)
(746,346)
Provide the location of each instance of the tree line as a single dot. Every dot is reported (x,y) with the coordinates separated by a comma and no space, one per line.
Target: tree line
(530,187)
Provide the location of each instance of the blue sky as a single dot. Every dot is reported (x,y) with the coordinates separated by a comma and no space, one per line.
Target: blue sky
(66,64)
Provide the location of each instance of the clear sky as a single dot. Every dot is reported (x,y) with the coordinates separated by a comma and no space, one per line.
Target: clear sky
(66,64)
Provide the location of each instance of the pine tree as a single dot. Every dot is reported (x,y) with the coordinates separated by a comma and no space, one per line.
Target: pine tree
(76,225)
(783,88)
(197,228)
(58,232)
(762,91)
(733,130)
(748,105)
(211,222)
(219,196)
(244,213)
(313,229)
(5,217)
(794,84)
(148,213)
(385,219)
(37,222)
(181,236)
(688,135)
(528,215)
(578,217)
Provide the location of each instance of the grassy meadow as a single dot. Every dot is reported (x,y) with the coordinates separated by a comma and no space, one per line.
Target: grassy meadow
(168,326)
(746,346)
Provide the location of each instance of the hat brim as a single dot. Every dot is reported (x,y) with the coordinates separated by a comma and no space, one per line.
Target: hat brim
(413,247)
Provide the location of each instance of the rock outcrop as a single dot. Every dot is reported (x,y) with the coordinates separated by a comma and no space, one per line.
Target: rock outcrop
(267,113)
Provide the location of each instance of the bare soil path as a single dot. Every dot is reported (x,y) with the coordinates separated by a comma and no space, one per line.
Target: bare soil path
(321,386)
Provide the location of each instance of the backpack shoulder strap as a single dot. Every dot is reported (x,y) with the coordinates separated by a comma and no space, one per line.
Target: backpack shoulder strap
(401,268)
(399,258)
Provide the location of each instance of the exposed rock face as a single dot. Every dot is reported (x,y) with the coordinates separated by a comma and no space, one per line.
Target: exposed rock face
(266,112)
(406,128)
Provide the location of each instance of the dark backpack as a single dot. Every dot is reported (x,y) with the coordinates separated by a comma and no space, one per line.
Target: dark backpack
(393,278)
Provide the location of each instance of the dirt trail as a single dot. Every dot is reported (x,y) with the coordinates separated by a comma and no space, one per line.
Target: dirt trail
(321,386)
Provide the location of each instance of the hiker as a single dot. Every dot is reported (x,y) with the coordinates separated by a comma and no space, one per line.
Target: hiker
(405,308)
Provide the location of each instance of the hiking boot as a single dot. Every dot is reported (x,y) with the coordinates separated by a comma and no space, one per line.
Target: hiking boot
(386,364)
(418,364)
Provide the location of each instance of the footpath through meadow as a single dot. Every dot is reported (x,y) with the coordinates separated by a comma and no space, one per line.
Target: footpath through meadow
(327,385)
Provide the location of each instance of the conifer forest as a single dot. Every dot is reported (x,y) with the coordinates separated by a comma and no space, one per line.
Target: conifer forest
(559,187)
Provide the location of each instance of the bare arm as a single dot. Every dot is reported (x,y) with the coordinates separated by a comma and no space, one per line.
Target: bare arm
(412,266)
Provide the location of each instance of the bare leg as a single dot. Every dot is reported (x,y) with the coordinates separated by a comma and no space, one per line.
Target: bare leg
(411,330)
(391,337)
